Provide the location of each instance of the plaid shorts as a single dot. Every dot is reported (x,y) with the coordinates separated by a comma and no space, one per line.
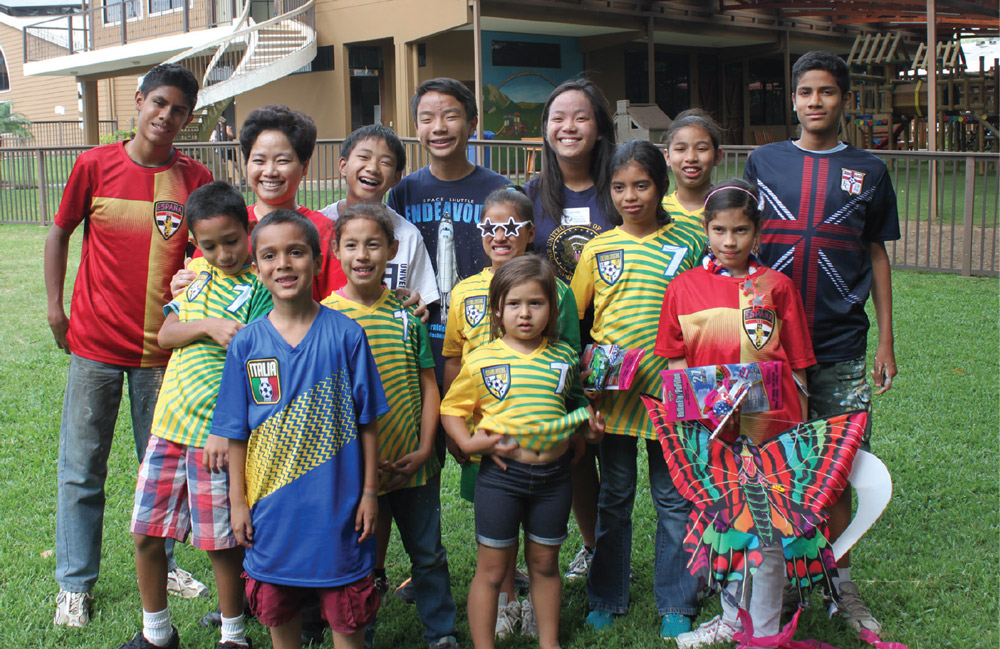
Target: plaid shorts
(836,388)
(175,496)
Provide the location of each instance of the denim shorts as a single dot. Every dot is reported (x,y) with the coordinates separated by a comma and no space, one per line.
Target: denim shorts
(539,496)
(836,388)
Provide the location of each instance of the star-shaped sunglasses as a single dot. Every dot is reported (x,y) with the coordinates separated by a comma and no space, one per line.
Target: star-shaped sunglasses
(511,228)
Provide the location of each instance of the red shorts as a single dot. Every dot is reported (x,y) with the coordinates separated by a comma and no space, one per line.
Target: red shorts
(347,609)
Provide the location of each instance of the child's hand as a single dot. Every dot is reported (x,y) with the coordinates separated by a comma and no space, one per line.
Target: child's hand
(239,517)
(221,330)
(484,442)
(885,367)
(455,450)
(182,279)
(594,432)
(405,467)
(412,298)
(215,457)
(364,521)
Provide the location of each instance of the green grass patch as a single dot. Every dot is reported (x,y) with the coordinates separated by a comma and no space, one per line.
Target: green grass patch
(928,568)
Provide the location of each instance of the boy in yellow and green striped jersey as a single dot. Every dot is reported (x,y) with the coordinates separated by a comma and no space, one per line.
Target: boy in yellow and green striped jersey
(183,483)
(625,273)
(410,470)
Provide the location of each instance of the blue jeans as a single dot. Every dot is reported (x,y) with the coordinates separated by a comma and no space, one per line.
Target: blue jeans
(417,512)
(90,409)
(608,580)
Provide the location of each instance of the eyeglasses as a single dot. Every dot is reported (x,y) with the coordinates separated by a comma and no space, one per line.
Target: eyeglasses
(511,228)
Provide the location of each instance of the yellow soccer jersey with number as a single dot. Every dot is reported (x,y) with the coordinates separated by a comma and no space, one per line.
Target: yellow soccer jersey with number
(626,278)
(679,214)
(469,319)
(184,407)
(401,347)
(526,396)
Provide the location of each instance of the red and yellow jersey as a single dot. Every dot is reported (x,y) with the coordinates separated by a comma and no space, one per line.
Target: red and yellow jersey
(134,241)
(711,319)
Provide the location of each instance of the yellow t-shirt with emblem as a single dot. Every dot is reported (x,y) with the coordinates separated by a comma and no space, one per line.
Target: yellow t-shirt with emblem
(535,398)
(680,214)
(626,278)
(401,347)
(468,325)
(184,408)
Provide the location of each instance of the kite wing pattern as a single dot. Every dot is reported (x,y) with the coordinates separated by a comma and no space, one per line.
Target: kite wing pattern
(747,497)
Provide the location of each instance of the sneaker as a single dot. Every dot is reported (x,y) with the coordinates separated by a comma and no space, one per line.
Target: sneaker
(853,610)
(234,645)
(521,581)
(211,620)
(709,633)
(382,586)
(791,600)
(508,616)
(447,642)
(72,609)
(674,624)
(140,642)
(405,592)
(182,584)
(599,620)
(580,564)
(529,626)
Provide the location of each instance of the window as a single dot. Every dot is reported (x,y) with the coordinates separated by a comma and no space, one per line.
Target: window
(4,75)
(522,54)
(113,10)
(767,92)
(323,62)
(158,6)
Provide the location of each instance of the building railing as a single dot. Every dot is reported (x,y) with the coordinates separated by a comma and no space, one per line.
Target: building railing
(952,225)
(56,133)
(118,22)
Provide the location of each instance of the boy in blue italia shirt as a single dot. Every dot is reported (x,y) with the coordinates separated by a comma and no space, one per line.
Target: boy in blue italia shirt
(302,400)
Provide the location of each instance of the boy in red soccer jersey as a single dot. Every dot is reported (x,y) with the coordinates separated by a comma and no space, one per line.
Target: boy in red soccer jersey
(131,197)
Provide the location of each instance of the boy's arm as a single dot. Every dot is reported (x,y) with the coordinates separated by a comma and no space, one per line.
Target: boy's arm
(175,333)
(56,255)
(430,411)
(679,363)
(239,512)
(885,355)
(364,520)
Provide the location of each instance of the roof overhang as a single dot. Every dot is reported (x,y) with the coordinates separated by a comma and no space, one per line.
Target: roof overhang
(113,61)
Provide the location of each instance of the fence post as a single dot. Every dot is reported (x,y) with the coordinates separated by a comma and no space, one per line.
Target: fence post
(970,189)
(43,208)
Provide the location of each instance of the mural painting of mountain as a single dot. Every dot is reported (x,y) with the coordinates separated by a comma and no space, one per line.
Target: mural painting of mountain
(513,108)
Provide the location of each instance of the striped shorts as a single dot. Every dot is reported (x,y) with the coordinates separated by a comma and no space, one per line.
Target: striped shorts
(175,496)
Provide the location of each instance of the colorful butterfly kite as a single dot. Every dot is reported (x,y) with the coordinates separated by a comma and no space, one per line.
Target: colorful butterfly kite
(747,497)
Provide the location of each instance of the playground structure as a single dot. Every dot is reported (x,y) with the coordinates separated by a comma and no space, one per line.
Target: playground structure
(890,103)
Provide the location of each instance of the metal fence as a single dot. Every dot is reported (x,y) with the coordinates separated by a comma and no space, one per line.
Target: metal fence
(57,133)
(951,225)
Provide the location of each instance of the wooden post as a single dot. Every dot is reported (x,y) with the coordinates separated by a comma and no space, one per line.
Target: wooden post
(91,127)
(746,102)
(970,189)
(694,81)
(477,30)
(932,111)
(787,65)
(651,60)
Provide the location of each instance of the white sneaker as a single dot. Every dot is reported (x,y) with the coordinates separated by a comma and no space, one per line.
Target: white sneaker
(709,633)
(529,627)
(72,609)
(182,584)
(508,616)
(580,565)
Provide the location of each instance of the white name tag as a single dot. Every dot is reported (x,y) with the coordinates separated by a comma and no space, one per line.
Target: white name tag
(576,216)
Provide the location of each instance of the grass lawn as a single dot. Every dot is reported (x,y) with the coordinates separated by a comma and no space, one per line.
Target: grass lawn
(928,568)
